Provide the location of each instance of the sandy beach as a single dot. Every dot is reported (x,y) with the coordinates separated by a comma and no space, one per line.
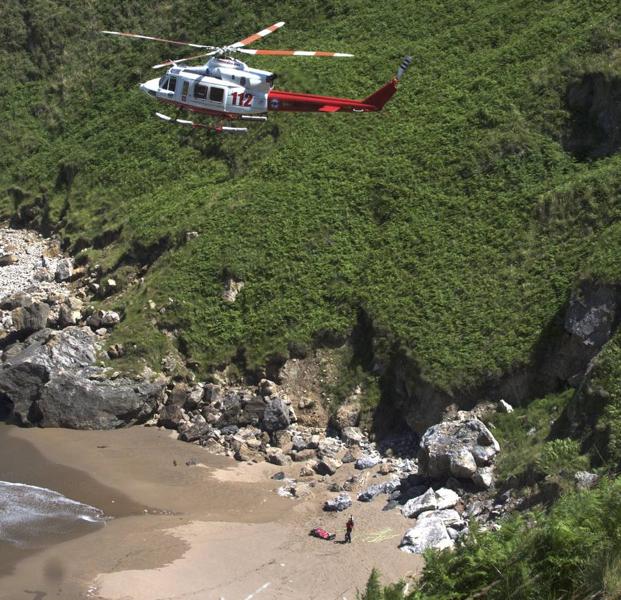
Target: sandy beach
(187,525)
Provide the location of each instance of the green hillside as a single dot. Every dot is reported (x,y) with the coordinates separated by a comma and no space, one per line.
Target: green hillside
(455,220)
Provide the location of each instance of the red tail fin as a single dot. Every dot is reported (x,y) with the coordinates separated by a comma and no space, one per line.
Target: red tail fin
(386,92)
(383,95)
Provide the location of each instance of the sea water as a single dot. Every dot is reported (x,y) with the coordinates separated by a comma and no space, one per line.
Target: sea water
(32,516)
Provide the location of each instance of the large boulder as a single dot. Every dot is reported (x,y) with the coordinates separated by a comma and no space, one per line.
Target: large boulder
(28,319)
(50,380)
(386,487)
(430,501)
(277,457)
(352,435)
(103,318)
(230,405)
(415,506)
(367,461)
(195,432)
(457,448)
(348,414)
(171,416)
(338,504)
(426,534)
(64,269)
(276,415)
(70,312)
(76,402)
(253,409)
(446,498)
(328,466)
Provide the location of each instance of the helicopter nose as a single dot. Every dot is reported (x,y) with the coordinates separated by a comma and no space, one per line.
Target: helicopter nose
(150,87)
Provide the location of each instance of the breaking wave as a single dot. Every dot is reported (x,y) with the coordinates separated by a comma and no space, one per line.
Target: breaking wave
(31,516)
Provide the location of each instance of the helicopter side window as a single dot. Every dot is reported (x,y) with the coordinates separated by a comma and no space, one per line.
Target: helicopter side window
(200,91)
(243,81)
(172,84)
(216,94)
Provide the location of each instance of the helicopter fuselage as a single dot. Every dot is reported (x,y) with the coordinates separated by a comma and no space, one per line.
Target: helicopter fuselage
(229,88)
(226,87)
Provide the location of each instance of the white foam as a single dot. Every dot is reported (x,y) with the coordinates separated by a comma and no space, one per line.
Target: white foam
(30,513)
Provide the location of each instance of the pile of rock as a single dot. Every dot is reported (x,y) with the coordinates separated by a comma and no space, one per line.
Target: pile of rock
(49,374)
(259,424)
(459,452)
(36,289)
(32,264)
(438,524)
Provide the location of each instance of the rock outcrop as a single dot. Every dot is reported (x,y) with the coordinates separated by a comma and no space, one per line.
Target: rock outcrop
(50,380)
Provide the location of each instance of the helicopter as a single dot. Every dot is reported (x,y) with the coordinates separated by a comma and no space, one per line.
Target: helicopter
(227,88)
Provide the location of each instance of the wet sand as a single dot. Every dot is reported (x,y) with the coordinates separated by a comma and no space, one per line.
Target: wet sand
(215,529)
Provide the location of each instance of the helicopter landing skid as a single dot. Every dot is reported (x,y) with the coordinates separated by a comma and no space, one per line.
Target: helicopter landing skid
(215,128)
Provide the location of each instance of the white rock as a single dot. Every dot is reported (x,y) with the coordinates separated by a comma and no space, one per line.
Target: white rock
(352,435)
(504,407)
(448,516)
(462,463)
(367,461)
(64,269)
(415,506)
(110,318)
(341,502)
(431,533)
(446,498)
(232,287)
(484,477)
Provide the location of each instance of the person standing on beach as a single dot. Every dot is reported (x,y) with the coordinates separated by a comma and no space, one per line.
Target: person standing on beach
(348,529)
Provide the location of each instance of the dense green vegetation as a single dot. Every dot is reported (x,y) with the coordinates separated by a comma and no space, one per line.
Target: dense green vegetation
(526,437)
(574,551)
(595,411)
(455,219)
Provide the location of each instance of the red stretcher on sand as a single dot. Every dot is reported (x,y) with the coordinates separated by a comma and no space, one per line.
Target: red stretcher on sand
(322,533)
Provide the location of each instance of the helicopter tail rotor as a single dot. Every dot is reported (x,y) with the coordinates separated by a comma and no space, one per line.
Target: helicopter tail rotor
(388,90)
(403,67)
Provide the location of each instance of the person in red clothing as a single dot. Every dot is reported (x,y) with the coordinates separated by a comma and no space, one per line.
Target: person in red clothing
(348,529)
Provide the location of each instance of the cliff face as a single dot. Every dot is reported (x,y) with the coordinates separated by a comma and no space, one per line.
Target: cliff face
(560,360)
(458,221)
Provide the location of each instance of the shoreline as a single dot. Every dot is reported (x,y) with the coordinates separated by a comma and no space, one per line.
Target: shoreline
(213,527)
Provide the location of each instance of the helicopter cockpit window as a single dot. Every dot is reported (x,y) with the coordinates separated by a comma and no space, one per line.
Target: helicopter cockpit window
(200,91)
(172,84)
(163,82)
(216,94)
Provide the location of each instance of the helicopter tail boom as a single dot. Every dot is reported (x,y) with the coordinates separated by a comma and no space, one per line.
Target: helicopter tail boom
(293,101)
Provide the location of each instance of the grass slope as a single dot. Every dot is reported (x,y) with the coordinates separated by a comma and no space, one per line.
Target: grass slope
(455,218)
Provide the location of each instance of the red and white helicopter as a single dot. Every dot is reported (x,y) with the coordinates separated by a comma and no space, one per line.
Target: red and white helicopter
(228,88)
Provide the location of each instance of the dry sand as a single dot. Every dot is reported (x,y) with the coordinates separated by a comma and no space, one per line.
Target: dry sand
(215,529)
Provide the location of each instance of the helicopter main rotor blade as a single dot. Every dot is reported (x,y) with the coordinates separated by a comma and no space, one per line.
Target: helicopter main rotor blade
(292,52)
(182,60)
(257,36)
(156,39)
